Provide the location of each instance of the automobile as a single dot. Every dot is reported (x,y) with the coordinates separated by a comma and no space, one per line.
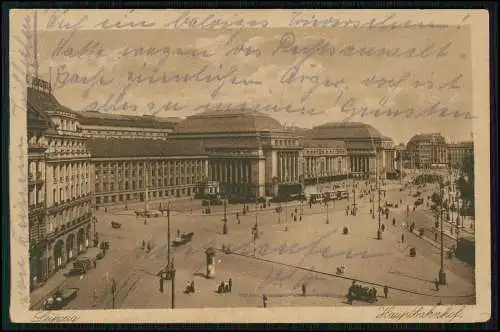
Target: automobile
(214,201)
(150,214)
(60,298)
(183,239)
(82,265)
(261,200)
(104,245)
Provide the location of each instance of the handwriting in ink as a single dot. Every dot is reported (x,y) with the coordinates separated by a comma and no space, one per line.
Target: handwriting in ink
(126,23)
(293,75)
(302,20)
(222,76)
(63,77)
(92,48)
(408,79)
(353,108)
(57,20)
(288,45)
(211,21)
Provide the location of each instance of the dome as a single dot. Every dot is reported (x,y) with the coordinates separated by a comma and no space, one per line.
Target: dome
(228,121)
(434,138)
(345,131)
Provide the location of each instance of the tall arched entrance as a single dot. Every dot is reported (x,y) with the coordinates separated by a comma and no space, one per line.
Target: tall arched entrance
(80,241)
(58,254)
(70,246)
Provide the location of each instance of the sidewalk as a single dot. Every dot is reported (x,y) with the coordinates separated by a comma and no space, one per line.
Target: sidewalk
(38,295)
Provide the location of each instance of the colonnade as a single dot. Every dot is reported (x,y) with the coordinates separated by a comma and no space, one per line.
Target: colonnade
(231,171)
(288,166)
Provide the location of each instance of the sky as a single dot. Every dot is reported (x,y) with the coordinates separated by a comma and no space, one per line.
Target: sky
(307,72)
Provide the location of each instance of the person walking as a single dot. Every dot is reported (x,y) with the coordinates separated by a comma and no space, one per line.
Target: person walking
(386,291)
(230,283)
(436,283)
(264,300)
(403,238)
(303,289)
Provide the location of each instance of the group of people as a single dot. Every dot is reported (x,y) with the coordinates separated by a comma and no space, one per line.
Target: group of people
(351,211)
(295,215)
(189,287)
(225,287)
(146,245)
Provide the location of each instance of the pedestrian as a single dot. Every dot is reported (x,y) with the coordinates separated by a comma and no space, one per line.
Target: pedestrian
(188,286)
(230,284)
(386,291)
(143,245)
(403,238)
(393,221)
(95,263)
(303,289)
(264,300)
(295,210)
(178,233)
(436,283)
(192,286)
(383,227)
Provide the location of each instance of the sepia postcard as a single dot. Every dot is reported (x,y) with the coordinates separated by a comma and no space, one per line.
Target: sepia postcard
(277,166)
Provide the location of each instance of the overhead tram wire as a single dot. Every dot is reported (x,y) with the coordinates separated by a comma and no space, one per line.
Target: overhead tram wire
(352,278)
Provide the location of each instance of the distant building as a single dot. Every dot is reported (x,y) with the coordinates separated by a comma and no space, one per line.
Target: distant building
(324,161)
(125,170)
(59,169)
(458,152)
(103,125)
(249,153)
(428,151)
(364,146)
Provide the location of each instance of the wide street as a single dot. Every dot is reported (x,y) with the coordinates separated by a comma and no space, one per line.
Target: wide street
(283,252)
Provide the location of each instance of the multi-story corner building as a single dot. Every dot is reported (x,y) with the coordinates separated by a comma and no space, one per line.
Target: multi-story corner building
(324,161)
(458,152)
(125,170)
(249,153)
(38,123)
(102,125)
(366,147)
(428,151)
(66,229)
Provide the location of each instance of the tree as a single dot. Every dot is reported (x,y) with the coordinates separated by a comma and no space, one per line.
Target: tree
(466,182)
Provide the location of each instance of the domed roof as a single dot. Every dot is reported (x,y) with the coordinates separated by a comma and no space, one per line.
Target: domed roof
(228,121)
(345,131)
(432,138)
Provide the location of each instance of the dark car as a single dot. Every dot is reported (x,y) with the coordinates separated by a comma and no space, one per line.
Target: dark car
(60,298)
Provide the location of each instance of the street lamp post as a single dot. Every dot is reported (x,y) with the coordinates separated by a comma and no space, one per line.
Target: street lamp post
(256,217)
(326,207)
(94,221)
(372,194)
(224,227)
(442,273)
(354,198)
(113,291)
(379,230)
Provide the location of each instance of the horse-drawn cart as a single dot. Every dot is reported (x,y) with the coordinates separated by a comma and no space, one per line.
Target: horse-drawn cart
(358,292)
